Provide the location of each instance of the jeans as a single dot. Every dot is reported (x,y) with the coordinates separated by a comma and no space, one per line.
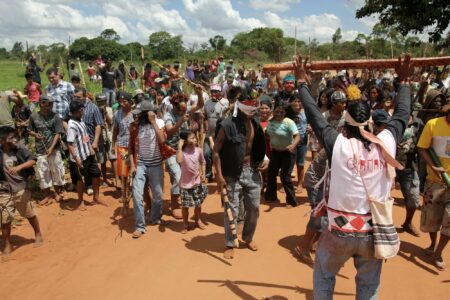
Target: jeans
(314,197)
(410,186)
(154,175)
(208,159)
(174,170)
(110,96)
(249,186)
(283,160)
(333,251)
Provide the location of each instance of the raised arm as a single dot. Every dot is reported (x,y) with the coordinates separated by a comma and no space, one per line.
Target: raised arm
(324,132)
(399,120)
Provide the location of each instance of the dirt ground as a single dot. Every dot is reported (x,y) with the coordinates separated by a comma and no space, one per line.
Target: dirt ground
(91,255)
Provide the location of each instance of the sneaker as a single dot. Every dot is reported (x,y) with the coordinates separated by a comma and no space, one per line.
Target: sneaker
(90,191)
(137,234)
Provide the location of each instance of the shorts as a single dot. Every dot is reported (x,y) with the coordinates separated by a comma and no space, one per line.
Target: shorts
(436,210)
(302,149)
(101,154)
(123,164)
(410,185)
(194,197)
(90,170)
(10,202)
(50,170)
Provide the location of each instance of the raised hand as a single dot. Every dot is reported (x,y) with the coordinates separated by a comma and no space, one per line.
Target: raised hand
(301,68)
(404,68)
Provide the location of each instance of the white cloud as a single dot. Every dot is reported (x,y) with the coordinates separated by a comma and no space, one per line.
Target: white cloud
(273,5)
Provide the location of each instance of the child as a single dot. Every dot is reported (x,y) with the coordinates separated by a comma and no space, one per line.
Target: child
(82,156)
(32,90)
(21,114)
(193,191)
(16,165)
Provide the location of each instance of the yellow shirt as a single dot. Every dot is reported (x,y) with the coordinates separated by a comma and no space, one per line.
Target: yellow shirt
(436,134)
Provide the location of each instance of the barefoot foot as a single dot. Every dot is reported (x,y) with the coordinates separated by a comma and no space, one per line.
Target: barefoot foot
(38,241)
(252,246)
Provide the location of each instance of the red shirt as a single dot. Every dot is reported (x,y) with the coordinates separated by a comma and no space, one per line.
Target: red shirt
(149,78)
(33,92)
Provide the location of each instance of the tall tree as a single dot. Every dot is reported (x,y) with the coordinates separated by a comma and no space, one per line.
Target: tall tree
(337,36)
(110,35)
(410,16)
(17,49)
(164,46)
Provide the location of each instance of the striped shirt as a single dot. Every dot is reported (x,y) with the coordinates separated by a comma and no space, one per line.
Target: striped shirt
(92,117)
(62,94)
(77,134)
(123,123)
(148,152)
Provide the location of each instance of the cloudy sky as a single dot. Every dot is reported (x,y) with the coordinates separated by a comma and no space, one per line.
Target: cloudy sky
(48,21)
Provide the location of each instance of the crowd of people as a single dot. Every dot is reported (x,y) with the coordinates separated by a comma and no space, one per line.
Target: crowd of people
(241,128)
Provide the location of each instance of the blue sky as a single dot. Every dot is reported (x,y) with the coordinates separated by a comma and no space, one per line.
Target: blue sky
(49,21)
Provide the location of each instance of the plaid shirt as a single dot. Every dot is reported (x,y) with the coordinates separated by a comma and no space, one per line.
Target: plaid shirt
(62,95)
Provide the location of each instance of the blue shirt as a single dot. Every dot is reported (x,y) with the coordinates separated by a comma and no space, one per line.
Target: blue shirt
(302,124)
(62,95)
(281,133)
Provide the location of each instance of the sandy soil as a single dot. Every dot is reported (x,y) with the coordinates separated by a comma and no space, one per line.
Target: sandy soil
(91,255)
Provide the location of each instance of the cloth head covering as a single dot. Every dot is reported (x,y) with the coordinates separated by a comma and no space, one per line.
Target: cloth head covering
(289,77)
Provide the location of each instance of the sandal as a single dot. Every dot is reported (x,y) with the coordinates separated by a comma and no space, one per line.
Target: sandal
(137,234)
(304,257)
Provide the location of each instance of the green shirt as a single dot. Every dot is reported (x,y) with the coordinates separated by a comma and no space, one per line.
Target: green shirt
(5,111)
(281,133)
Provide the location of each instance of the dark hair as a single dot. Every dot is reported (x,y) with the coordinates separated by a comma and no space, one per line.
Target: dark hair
(380,94)
(234,93)
(5,131)
(75,106)
(75,78)
(328,92)
(184,134)
(51,70)
(28,75)
(360,112)
(81,89)
(386,94)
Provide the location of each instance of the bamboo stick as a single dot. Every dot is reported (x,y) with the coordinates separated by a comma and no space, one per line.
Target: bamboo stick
(360,64)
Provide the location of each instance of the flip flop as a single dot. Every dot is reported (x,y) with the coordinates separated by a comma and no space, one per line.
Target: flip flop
(303,257)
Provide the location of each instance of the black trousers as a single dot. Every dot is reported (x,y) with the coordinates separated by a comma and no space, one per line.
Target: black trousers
(284,161)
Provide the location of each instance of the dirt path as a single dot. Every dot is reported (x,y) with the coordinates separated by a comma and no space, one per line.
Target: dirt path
(85,257)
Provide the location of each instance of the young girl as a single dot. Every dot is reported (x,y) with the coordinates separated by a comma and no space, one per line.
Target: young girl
(193,191)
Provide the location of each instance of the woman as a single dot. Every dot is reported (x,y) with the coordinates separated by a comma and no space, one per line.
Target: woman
(375,97)
(284,139)
(265,114)
(350,233)
(324,103)
(387,104)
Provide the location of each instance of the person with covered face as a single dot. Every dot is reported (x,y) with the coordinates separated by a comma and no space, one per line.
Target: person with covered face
(238,155)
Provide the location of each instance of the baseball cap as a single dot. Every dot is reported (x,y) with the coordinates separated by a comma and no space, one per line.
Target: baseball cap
(138,92)
(125,96)
(216,87)
(230,76)
(143,107)
(338,96)
(380,116)
(46,98)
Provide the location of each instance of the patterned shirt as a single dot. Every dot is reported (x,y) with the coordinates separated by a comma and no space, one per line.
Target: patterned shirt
(123,123)
(77,134)
(62,94)
(92,117)
(148,152)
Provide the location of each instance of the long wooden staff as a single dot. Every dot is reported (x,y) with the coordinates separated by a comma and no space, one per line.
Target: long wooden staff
(360,64)
(230,216)
(143,69)
(182,77)
(83,82)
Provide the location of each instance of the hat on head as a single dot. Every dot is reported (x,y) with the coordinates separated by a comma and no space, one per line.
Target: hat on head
(380,116)
(289,77)
(75,106)
(216,87)
(338,96)
(100,97)
(144,106)
(124,96)
(46,98)
(138,92)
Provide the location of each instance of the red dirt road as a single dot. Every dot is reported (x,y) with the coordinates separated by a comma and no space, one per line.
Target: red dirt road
(85,257)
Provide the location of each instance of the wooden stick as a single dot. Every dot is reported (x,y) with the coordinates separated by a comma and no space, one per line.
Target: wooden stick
(173,74)
(360,64)
(143,69)
(230,217)
(83,82)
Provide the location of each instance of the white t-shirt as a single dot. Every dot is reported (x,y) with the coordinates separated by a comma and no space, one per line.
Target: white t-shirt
(348,206)
(77,134)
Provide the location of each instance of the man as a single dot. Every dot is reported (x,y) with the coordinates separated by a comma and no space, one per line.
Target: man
(73,71)
(231,65)
(148,79)
(287,94)
(35,70)
(47,128)
(82,155)
(436,211)
(5,109)
(238,155)
(176,120)
(206,76)
(146,164)
(93,120)
(120,138)
(16,165)
(221,67)
(335,115)
(215,109)
(227,85)
(61,92)
(109,82)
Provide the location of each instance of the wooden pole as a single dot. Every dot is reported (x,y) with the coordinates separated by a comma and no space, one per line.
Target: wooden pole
(360,64)
(83,82)
(143,69)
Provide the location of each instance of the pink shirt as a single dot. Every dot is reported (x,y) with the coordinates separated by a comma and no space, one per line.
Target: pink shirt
(33,92)
(190,167)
